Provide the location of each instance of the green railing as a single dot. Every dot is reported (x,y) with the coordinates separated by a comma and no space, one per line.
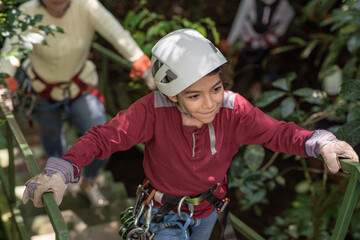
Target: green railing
(17,227)
(350,199)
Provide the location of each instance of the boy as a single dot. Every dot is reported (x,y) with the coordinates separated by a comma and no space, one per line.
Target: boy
(191,128)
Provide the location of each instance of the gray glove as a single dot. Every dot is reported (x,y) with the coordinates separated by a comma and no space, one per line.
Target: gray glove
(331,149)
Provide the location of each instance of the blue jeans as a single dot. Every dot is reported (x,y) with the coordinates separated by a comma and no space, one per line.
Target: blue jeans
(201,228)
(86,111)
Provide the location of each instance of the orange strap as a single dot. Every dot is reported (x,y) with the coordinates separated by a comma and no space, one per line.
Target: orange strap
(151,195)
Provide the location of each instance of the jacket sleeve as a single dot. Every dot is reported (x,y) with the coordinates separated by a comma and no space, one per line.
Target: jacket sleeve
(110,28)
(255,127)
(236,30)
(128,128)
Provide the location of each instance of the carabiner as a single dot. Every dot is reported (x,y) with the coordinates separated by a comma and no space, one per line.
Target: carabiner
(190,207)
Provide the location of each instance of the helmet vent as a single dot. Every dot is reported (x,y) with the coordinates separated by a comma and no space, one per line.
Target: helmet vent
(156,66)
(213,47)
(170,76)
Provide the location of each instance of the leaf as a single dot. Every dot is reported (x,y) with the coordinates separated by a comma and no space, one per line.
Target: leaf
(4,75)
(297,40)
(280,180)
(137,18)
(34,38)
(350,90)
(302,187)
(354,114)
(127,21)
(284,83)
(350,69)
(335,48)
(258,196)
(254,156)
(353,45)
(310,95)
(287,106)
(309,48)
(350,132)
(269,97)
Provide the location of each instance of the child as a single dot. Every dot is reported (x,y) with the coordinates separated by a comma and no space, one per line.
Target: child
(191,128)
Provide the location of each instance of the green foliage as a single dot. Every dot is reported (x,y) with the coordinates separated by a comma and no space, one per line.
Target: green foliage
(148,27)
(290,100)
(25,30)
(252,181)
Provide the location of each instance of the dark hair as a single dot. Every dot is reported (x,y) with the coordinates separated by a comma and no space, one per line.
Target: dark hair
(42,3)
(224,72)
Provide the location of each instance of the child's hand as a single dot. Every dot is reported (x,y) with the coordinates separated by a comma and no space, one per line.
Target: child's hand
(41,184)
(332,150)
(58,173)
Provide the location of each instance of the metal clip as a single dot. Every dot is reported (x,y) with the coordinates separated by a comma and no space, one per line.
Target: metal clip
(190,207)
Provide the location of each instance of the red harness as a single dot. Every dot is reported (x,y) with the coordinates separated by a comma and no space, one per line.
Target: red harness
(84,88)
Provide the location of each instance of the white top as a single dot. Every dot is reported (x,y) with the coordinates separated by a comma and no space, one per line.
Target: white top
(67,52)
(242,27)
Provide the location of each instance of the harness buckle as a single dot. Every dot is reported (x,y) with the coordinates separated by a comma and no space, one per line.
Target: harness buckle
(222,205)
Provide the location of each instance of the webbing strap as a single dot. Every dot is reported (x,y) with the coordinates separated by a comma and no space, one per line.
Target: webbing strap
(159,215)
(227,229)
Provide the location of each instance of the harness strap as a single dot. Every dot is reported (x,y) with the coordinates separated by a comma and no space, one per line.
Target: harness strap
(76,79)
(49,86)
(171,202)
(159,216)
(227,229)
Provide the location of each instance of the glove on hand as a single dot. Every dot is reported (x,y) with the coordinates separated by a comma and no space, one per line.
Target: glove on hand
(331,149)
(41,184)
(58,173)
(140,66)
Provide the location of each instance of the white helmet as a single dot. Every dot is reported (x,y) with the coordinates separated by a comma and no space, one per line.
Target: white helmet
(181,58)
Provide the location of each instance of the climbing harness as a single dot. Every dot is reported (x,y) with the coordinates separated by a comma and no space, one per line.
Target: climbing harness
(29,99)
(141,222)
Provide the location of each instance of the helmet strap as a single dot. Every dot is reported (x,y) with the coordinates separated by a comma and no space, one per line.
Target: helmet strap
(184,109)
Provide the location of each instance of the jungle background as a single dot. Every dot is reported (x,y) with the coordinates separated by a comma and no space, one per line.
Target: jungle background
(279,196)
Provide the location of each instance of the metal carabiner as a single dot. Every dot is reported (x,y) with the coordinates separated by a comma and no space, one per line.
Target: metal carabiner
(139,197)
(139,213)
(149,214)
(190,207)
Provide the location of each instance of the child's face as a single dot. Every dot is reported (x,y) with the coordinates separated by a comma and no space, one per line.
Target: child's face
(203,98)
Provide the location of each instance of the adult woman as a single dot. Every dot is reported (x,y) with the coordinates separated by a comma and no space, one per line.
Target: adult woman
(65,80)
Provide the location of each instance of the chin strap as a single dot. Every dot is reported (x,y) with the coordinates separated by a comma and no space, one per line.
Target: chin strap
(183,110)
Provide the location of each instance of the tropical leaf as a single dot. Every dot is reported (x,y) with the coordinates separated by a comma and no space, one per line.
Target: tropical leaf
(285,83)
(287,107)
(350,132)
(350,90)
(269,97)
(254,156)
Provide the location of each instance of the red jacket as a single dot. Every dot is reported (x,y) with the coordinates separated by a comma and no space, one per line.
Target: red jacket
(178,160)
